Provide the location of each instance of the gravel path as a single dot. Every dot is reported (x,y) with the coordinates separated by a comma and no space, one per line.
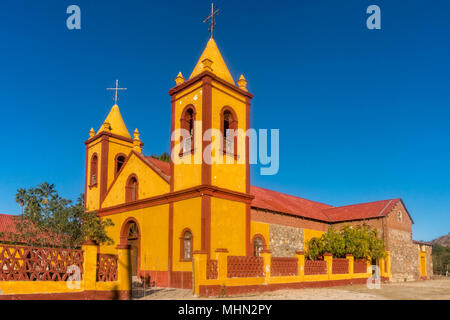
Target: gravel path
(419,290)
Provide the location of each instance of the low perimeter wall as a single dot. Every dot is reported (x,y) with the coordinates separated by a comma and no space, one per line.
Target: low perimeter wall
(224,274)
(63,274)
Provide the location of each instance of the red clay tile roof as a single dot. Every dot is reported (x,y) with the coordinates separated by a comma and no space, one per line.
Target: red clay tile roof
(284,203)
(281,202)
(162,165)
(425,243)
(361,211)
(7,223)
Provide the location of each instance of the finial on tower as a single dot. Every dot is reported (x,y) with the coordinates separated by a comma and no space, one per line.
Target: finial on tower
(179,79)
(91,133)
(212,19)
(136,141)
(242,82)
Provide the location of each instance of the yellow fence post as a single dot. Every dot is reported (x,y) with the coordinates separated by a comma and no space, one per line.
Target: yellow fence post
(300,265)
(328,257)
(351,265)
(222,265)
(199,258)
(382,265)
(267,256)
(89,248)
(124,269)
(369,265)
(388,265)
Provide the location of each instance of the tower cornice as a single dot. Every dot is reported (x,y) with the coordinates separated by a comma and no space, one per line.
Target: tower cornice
(204,74)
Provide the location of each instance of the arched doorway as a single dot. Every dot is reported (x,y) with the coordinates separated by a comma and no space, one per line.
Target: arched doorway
(130,235)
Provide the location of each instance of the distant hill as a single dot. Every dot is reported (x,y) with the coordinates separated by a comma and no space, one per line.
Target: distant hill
(443,241)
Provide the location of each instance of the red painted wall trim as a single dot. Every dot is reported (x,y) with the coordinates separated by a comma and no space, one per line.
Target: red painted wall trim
(185,194)
(170,256)
(172,144)
(206,224)
(232,290)
(192,81)
(206,125)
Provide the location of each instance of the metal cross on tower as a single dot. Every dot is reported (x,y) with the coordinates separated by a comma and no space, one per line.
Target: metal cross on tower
(212,19)
(116,96)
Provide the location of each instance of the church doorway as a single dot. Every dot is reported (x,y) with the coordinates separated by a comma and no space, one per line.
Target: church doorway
(130,235)
(133,241)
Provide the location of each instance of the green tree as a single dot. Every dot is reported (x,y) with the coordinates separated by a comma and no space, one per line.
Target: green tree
(360,241)
(49,220)
(164,157)
(441,259)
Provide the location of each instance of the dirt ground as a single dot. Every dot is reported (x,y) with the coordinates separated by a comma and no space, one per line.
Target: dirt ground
(418,290)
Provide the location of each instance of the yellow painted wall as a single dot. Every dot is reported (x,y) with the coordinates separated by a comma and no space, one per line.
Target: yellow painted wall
(228,226)
(262,229)
(93,194)
(186,214)
(154,224)
(229,176)
(188,174)
(308,234)
(116,146)
(150,183)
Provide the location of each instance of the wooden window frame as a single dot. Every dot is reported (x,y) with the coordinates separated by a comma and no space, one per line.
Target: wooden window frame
(129,191)
(234,125)
(116,163)
(93,171)
(183,125)
(182,245)
(263,241)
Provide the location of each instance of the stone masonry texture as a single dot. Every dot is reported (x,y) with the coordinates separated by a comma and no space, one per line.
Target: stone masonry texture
(285,241)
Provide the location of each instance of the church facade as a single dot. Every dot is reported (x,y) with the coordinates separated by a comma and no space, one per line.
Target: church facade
(167,210)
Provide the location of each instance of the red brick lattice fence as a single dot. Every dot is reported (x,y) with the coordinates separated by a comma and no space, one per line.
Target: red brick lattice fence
(21,263)
(313,267)
(107,267)
(340,266)
(242,267)
(360,266)
(281,266)
(212,269)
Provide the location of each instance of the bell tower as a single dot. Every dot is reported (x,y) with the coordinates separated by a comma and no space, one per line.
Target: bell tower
(210,151)
(210,107)
(106,151)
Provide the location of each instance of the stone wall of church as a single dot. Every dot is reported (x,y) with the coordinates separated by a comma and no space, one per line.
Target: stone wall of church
(404,256)
(285,240)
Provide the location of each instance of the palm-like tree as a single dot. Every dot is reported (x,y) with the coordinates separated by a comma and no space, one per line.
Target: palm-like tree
(21,198)
(47,191)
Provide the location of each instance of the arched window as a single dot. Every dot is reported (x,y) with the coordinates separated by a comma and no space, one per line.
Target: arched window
(131,189)
(258,244)
(120,160)
(186,245)
(399,216)
(187,123)
(94,170)
(229,121)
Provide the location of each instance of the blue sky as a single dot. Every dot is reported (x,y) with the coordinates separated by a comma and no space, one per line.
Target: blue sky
(363,114)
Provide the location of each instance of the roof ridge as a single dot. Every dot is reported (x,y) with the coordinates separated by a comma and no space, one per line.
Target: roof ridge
(357,204)
(298,197)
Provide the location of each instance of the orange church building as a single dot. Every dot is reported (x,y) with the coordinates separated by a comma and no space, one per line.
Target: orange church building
(167,211)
